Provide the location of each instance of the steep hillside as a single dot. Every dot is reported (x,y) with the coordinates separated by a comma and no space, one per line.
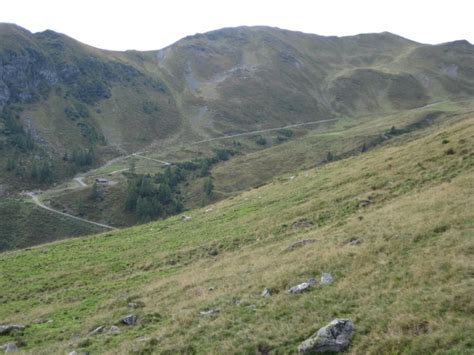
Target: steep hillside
(62,100)
(69,107)
(393,227)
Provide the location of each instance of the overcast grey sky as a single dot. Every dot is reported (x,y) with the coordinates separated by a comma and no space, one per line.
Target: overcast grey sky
(148,24)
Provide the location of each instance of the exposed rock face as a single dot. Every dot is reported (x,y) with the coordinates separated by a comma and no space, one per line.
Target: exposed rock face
(10,328)
(304,286)
(334,337)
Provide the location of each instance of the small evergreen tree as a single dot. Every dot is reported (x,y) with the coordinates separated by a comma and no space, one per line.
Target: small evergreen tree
(208,186)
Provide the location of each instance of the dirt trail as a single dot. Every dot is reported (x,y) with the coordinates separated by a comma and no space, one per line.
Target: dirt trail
(80,181)
(37,202)
(263,131)
(158,161)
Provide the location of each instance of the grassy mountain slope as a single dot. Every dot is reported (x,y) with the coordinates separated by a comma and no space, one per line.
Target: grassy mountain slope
(59,95)
(68,108)
(254,165)
(393,226)
(23,225)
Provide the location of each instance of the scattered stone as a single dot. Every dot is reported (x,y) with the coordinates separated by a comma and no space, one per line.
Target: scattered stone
(210,289)
(97,330)
(137,304)
(364,203)
(326,279)
(187,218)
(209,210)
(210,313)
(129,320)
(10,328)
(266,293)
(9,347)
(113,330)
(236,301)
(334,337)
(300,243)
(301,224)
(305,286)
(355,242)
(103,329)
(73,353)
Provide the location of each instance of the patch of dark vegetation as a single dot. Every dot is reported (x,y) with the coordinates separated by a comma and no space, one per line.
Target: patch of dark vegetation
(203,165)
(42,172)
(261,140)
(158,196)
(77,111)
(154,197)
(150,108)
(439,230)
(81,158)
(424,122)
(17,137)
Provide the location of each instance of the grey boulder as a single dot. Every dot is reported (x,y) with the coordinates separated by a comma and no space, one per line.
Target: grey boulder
(10,328)
(334,337)
(266,293)
(103,329)
(304,286)
(9,347)
(210,313)
(326,279)
(131,319)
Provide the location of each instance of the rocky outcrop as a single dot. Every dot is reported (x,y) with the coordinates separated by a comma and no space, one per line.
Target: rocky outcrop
(334,337)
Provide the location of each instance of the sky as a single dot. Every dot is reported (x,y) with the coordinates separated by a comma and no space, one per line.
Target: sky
(154,24)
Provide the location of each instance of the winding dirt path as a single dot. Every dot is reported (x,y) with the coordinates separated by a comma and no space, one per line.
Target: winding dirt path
(80,181)
(37,202)
(162,162)
(263,131)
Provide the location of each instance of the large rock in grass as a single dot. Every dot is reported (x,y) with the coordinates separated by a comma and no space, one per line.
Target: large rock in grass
(9,347)
(10,328)
(302,287)
(326,279)
(129,320)
(334,337)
